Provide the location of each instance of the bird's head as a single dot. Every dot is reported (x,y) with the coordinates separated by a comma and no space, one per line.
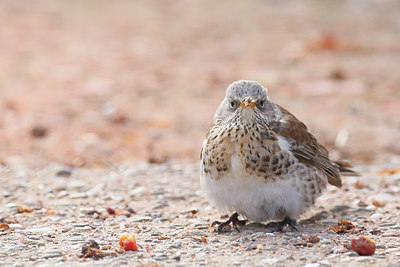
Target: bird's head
(245,100)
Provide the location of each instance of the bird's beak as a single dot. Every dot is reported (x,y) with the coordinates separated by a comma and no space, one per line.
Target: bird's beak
(248,102)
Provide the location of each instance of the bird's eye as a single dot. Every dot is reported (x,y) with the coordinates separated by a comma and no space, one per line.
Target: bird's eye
(233,104)
(262,103)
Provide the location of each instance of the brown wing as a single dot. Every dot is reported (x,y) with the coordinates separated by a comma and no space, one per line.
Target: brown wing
(305,146)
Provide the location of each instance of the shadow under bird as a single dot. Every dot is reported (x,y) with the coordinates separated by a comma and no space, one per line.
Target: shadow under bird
(259,161)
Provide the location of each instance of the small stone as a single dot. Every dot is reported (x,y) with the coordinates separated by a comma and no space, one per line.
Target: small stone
(340,207)
(176,244)
(380,246)
(78,195)
(376,216)
(143,219)
(160,256)
(270,261)
(64,173)
(39,131)
(51,254)
(84,229)
(62,194)
(11,205)
(351,254)
(390,233)
(138,191)
(95,190)
(66,228)
(392,250)
(16,226)
(77,184)
(7,193)
(324,263)
(329,221)
(30,241)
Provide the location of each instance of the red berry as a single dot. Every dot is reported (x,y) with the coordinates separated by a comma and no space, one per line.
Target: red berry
(110,211)
(363,245)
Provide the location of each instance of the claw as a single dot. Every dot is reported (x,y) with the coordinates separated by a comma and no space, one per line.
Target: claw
(278,226)
(233,219)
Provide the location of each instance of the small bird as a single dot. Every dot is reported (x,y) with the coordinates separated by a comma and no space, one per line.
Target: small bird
(259,161)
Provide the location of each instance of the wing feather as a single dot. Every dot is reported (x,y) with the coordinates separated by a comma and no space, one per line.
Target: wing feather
(305,146)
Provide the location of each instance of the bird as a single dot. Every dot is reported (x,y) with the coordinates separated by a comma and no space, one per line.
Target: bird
(260,162)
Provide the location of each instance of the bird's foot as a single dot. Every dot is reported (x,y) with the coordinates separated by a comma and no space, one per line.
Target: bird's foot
(233,219)
(278,226)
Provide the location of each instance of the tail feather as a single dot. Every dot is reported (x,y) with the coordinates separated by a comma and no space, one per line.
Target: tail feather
(345,168)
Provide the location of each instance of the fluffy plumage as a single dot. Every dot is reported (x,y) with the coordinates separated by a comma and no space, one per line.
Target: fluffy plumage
(260,161)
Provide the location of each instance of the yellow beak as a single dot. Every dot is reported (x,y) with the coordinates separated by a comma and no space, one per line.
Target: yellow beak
(248,102)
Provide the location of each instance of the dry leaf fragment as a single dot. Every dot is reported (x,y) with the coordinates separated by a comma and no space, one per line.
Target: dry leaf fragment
(389,171)
(337,229)
(348,225)
(92,250)
(128,242)
(313,239)
(203,239)
(359,184)
(343,226)
(4,226)
(22,209)
(377,203)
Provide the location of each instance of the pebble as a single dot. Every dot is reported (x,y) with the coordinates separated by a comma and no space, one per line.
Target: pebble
(38,231)
(351,254)
(376,216)
(391,232)
(7,193)
(77,195)
(340,207)
(95,190)
(62,194)
(324,263)
(30,241)
(51,254)
(16,226)
(270,261)
(143,219)
(11,205)
(64,203)
(330,221)
(392,250)
(138,191)
(77,184)
(65,228)
(3,254)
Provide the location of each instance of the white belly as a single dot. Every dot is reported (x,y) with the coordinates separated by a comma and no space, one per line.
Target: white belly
(252,197)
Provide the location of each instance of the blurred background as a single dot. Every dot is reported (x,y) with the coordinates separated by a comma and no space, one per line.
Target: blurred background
(102,83)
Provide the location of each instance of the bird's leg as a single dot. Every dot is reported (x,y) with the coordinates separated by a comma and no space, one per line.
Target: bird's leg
(278,226)
(233,219)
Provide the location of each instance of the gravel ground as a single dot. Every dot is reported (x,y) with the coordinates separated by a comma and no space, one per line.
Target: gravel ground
(52,212)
